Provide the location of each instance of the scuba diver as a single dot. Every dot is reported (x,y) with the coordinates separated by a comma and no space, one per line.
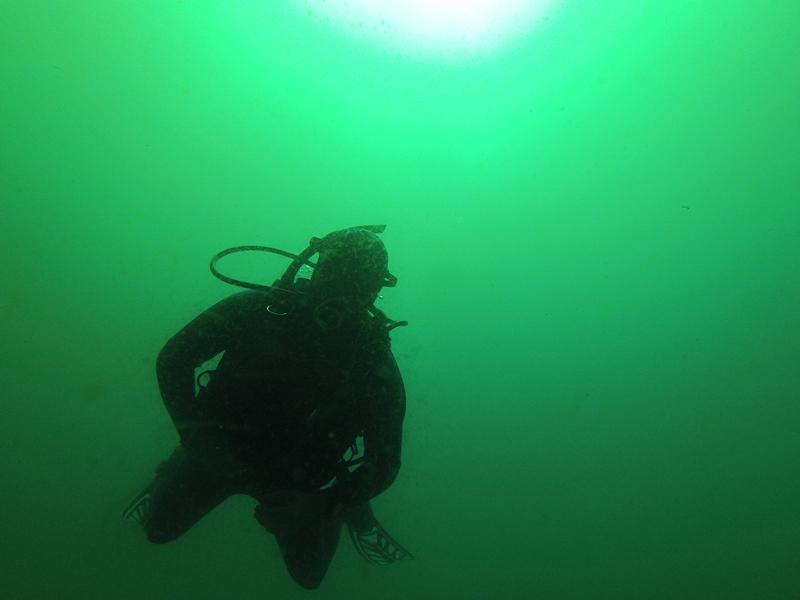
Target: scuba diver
(303,411)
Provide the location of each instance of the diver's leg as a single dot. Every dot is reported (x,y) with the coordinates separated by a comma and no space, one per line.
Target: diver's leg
(307,546)
(308,550)
(183,491)
(360,518)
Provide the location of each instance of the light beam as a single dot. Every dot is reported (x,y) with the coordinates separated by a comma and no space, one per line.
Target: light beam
(440,27)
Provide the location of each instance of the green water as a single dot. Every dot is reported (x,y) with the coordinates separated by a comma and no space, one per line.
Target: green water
(597,237)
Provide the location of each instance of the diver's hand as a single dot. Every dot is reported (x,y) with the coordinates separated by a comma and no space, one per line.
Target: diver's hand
(296,503)
(204,440)
(210,446)
(290,509)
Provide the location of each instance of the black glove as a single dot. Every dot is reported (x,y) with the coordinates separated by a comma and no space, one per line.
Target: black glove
(287,510)
(203,439)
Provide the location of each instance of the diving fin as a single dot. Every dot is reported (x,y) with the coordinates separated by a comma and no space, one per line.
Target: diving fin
(371,540)
(139,508)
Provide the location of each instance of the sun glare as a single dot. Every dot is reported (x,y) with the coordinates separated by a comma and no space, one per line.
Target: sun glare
(434,26)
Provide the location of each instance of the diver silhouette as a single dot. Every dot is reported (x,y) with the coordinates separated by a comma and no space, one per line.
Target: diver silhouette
(303,411)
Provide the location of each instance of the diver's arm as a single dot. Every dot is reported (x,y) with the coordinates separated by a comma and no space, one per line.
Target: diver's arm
(204,337)
(382,441)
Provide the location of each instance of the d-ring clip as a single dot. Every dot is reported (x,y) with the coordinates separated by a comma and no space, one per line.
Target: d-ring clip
(274,312)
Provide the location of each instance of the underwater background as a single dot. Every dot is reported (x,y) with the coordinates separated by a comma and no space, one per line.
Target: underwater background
(596,231)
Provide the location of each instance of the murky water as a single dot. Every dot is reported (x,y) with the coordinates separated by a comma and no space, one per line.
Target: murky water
(596,231)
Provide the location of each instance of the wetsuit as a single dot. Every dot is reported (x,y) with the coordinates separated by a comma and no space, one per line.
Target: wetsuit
(289,406)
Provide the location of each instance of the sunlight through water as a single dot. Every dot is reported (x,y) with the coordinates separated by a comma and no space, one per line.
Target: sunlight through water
(443,28)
